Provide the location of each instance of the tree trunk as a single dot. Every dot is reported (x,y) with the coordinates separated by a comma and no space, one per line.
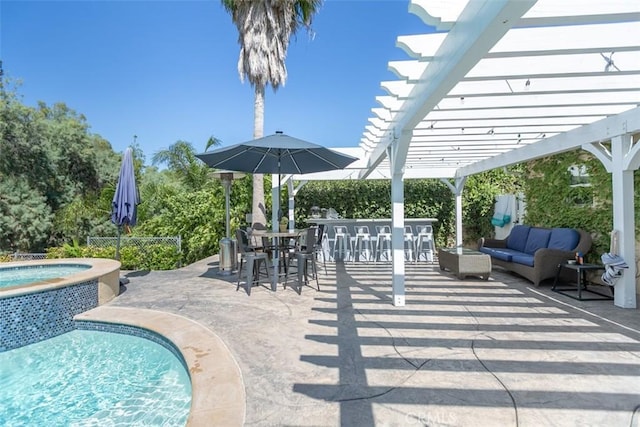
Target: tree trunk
(258,209)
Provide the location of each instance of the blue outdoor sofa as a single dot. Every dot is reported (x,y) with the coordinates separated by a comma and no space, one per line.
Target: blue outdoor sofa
(535,252)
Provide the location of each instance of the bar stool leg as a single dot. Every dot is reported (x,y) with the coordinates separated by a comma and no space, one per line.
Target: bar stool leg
(240,272)
(250,273)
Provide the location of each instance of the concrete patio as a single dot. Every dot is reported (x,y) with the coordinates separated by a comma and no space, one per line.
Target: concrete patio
(460,353)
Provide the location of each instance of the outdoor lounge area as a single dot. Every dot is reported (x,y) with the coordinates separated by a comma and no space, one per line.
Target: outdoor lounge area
(500,351)
(395,318)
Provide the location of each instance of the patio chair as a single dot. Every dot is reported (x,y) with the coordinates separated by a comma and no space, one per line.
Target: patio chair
(319,246)
(304,254)
(253,259)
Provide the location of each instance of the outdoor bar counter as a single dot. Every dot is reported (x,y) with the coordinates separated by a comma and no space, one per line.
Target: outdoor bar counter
(370,222)
(351,223)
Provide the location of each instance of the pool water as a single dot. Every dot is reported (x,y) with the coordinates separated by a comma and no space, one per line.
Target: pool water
(15,276)
(93,378)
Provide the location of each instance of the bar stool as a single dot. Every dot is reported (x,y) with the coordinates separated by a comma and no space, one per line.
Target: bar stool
(362,243)
(303,254)
(341,242)
(384,242)
(409,243)
(424,242)
(254,261)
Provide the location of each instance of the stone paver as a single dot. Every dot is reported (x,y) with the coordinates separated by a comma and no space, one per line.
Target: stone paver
(460,353)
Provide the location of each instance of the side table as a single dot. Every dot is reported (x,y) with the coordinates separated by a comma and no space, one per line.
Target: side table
(581,282)
(464,262)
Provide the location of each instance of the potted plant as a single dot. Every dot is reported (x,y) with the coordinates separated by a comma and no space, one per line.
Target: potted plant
(284,222)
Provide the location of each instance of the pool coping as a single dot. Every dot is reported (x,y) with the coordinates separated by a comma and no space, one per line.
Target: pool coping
(217,387)
(105,270)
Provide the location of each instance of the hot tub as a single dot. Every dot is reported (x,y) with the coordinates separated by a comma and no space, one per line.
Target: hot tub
(42,309)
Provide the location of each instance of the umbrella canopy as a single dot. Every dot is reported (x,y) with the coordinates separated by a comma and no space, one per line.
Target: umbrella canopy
(277,153)
(125,199)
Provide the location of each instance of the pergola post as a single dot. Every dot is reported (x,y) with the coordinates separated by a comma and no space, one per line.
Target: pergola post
(397,225)
(623,219)
(456,189)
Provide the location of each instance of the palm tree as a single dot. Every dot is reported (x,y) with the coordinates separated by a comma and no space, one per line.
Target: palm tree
(212,142)
(181,159)
(264,30)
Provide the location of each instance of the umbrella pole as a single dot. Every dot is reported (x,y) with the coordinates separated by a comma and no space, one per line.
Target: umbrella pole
(227,190)
(118,243)
(276,257)
(279,195)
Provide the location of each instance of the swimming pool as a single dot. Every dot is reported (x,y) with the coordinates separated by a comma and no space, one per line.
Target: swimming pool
(21,275)
(34,312)
(88,377)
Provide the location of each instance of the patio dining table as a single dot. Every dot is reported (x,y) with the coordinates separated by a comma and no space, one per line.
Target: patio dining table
(279,237)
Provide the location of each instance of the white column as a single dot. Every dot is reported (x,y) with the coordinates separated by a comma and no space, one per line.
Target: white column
(397,238)
(623,219)
(397,226)
(456,189)
(459,218)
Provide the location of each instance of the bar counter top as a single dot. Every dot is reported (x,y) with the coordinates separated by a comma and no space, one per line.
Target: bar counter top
(366,220)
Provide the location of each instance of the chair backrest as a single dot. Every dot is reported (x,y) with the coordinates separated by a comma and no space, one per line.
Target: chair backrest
(362,229)
(243,241)
(308,236)
(383,229)
(424,229)
(340,229)
(408,229)
(266,242)
(320,235)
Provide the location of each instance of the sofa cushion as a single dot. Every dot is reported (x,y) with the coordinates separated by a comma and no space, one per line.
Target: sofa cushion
(498,253)
(525,259)
(538,238)
(565,239)
(518,237)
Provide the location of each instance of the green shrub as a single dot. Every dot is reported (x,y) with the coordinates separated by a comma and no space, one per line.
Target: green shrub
(152,257)
(161,257)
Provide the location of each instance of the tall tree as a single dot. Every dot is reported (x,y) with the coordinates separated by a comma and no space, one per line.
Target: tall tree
(264,30)
(181,158)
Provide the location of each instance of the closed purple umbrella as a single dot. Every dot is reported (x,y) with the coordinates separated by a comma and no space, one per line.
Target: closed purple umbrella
(125,199)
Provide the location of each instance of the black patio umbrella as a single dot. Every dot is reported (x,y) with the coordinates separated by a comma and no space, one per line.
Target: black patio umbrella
(277,153)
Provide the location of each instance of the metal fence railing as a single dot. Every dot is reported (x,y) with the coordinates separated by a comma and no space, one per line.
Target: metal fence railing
(25,256)
(140,242)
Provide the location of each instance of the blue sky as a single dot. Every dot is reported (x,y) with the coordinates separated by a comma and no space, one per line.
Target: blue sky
(167,70)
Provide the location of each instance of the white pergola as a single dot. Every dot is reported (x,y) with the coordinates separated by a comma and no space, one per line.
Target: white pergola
(501,82)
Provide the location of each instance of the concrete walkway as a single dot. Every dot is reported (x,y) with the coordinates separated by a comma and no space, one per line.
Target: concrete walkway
(461,353)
